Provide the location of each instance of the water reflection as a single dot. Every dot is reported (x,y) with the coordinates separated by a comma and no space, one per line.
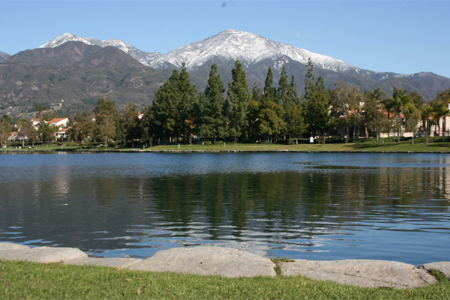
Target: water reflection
(328,206)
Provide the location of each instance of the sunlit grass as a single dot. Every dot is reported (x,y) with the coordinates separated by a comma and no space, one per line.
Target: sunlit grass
(363,145)
(25,280)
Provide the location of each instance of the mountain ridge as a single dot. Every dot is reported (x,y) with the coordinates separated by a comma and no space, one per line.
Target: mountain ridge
(228,45)
(80,72)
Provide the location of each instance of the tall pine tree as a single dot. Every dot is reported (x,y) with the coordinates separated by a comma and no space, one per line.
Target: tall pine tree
(283,93)
(165,109)
(316,104)
(188,98)
(239,99)
(212,108)
(271,115)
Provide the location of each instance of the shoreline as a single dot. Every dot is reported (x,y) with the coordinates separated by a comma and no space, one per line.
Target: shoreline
(214,151)
(229,262)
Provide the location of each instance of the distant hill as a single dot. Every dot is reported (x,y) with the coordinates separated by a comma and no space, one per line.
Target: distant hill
(82,70)
(77,73)
(4,56)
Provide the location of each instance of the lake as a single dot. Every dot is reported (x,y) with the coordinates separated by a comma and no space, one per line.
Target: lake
(317,206)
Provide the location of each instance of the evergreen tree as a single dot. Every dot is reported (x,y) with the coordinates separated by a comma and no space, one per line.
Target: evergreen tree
(173,107)
(284,94)
(188,97)
(254,108)
(293,117)
(296,125)
(212,107)
(271,123)
(316,104)
(147,124)
(269,90)
(165,109)
(309,82)
(256,93)
(271,115)
(293,92)
(239,99)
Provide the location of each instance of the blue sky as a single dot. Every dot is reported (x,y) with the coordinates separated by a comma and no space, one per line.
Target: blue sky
(398,36)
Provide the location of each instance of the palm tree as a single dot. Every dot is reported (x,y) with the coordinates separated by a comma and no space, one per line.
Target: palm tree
(439,110)
(427,120)
(441,101)
(402,104)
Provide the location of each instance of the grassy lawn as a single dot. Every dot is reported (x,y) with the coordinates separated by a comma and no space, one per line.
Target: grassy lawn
(369,145)
(25,280)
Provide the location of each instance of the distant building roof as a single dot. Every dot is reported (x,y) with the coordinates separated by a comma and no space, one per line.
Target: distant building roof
(57,120)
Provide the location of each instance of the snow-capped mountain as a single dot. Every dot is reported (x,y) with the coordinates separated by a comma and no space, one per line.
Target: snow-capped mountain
(66,37)
(141,56)
(249,48)
(228,45)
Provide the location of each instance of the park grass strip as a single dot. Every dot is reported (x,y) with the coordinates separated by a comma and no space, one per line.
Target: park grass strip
(26,280)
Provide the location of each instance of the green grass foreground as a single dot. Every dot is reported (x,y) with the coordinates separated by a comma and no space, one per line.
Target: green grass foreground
(437,144)
(25,280)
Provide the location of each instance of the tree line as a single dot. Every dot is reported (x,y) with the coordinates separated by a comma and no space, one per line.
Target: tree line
(179,113)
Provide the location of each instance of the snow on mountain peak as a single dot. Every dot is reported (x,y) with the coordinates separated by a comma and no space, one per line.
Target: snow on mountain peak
(247,47)
(125,47)
(141,56)
(66,37)
(230,45)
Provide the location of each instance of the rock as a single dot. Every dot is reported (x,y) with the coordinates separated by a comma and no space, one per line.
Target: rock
(364,273)
(443,267)
(42,254)
(208,261)
(5,246)
(104,262)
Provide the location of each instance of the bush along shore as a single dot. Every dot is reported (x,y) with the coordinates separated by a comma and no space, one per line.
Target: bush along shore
(210,273)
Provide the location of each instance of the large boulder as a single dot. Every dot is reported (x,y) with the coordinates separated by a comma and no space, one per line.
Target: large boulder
(208,261)
(364,273)
(42,254)
(11,246)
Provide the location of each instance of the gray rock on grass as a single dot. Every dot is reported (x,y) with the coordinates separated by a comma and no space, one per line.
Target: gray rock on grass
(42,254)
(443,267)
(364,273)
(11,246)
(208,261)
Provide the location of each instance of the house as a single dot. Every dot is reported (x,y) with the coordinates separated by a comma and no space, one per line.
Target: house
(59,122)
(13,136)
(62,133)
(35,123)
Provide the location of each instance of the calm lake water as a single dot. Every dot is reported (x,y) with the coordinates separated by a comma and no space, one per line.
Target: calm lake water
(301,206)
